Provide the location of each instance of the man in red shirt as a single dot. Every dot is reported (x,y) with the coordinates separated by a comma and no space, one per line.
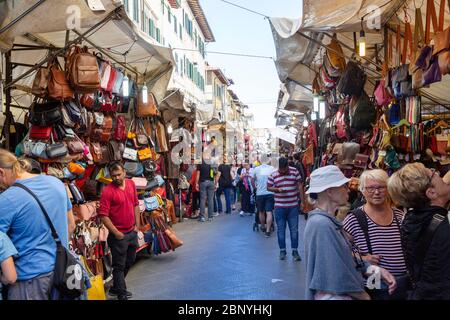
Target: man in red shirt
(119,211)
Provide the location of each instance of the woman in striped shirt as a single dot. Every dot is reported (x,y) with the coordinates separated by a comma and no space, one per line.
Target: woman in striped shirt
(375,230)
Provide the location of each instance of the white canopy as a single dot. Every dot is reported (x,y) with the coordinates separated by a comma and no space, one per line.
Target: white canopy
(47,24)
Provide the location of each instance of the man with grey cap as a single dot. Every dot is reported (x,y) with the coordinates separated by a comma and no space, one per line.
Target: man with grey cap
(333,272)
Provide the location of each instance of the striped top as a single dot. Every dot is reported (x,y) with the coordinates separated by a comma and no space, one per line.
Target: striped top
(289,183)
(385,241)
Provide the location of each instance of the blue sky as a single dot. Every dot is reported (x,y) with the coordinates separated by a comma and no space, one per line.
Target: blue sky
(238,31)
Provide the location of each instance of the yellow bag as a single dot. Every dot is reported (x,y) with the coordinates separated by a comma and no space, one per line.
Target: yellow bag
(97,289)
(145,154)
(102,178)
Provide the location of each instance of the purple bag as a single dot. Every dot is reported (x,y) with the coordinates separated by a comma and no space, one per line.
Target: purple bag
(423,60)
(432,74)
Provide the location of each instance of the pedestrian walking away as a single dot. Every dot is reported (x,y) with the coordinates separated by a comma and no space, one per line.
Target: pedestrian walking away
(24,222)
(119,212)
(332,271)
(225,186)
(264,198)
(286,184)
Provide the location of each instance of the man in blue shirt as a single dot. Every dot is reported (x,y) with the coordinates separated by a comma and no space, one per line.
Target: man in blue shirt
(264,198)
(24,222)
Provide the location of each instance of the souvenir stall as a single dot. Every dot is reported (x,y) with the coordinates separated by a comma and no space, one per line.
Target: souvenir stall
(373,101)
(89,105)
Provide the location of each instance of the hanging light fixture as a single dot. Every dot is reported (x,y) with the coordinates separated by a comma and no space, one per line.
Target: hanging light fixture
(313,116)
(169,128)
(322,113)
(144,94)
(362,41)
(125,82)
(316,103)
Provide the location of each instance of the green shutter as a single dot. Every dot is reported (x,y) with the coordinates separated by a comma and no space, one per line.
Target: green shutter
(152,28)
(175,25)
(158,35)
(136,10)
(125,4)
(169,15)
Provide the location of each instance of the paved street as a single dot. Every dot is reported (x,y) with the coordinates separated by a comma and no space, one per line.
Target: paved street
(222,259)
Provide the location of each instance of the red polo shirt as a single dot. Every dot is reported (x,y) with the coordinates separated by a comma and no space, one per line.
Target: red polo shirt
(118,205)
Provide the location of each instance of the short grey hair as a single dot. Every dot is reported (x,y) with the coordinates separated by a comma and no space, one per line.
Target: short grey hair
(376,174)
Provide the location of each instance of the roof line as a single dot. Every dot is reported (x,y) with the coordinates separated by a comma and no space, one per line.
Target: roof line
(200,17)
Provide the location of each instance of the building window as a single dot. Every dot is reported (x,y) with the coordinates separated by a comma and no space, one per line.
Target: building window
(158,35)
(151,27)
(162,6)
(208,78)
(125,4)
(176,62)
(169,15)
(136,10)
(181,32)
(145,24)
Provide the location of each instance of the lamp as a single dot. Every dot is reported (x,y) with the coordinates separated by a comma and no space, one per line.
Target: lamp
(362,41)
(313,116)
(125,83)
(169,129)
(322,110)
(144,94)
(305,122)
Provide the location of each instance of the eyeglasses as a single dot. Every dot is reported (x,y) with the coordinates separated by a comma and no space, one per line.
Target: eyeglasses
(378,188)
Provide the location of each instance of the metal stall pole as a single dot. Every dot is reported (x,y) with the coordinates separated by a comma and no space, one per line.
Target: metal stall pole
(7,90)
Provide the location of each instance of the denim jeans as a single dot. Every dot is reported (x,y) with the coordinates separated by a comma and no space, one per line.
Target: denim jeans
(289,215)
(123,255)
(228,194)
(206,191)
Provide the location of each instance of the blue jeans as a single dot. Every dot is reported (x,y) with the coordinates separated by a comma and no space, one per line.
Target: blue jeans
(227,191)
(289,215)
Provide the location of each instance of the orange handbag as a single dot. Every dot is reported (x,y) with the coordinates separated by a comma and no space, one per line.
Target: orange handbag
(174,241)
(147,109)
(145,154)
(76,168)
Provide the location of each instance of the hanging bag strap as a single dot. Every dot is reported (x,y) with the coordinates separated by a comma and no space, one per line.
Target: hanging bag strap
(431,18)
(398,47)
(419,36)
(407,43)
(52,228)
(364,225)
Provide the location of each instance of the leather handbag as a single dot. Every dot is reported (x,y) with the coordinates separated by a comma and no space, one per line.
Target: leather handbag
(133,169)
(140,182)
(66,120)
(55,172)
(151,203)
(120,129)
(40,133)
(87,100)
(335,55)
(348,153)
(69,175)
(118,82)
(116,150)
(364,114)
(145,154)
(103,177)
(174,241)
(130,154)
(432,74)
(85,211)
(39,150)
(161,137)
(82,70)
(76,168)
(45,114)
(106,155)
(147,109)
(56,150)
(111,80)
(75,146)
(96,152)
(331,70)
(444,62)
(77,195)
(441,41)
(58,86)
(352,80)
(361,161)
(73,111)
(382,96)
(40,82)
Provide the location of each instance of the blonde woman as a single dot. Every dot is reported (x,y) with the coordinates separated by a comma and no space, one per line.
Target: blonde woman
(425,229)
(25,223)
(375,229)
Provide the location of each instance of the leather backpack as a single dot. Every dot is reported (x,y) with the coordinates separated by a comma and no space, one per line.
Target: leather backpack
(120,133)
(147,109)
(335,55)
(82,68)
(58,86)
(40,82)
(352,80)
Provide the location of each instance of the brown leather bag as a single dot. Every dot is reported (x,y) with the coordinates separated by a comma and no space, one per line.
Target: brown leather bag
(58,86)
(147,109)
(116,150)
(96,152)
(40,82)
(82,70)
(336,55)
(106,156)
(161,137)
(174,241)
(107,123)
(444,62)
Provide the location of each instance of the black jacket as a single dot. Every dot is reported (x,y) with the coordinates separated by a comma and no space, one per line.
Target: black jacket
(432,275)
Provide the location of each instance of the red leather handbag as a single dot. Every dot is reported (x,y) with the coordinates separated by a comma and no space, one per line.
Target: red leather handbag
(40,133)
(112,80)
(120,130)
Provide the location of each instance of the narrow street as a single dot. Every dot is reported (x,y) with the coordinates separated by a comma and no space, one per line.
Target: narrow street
(222,259)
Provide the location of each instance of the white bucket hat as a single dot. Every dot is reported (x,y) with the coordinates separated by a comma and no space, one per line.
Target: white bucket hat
(325,178)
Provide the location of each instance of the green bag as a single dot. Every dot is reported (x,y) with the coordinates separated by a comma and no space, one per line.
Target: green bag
(391,159)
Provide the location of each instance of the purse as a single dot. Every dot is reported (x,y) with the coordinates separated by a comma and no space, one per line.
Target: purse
(382,96)
(40,132)
(130,154)
(45,114)
(56,150)
(134,169)
(147,109)
(103,177)
(58,86)
(140,183)
(40,82)
(97,289)
(120,130)
(76,168)
(39,150)
(83,70)
(145,154)
(85,211)
(96,152)
(116,149)
(174,241)
(352,80)
(77,195)
(151,203)
(75,146)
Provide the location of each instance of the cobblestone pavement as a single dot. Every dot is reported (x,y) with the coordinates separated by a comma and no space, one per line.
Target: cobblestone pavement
(222,259)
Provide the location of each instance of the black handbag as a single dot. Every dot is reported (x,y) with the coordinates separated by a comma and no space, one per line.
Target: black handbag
(152,184)
(45,114)
(73,110)
(364,114)
(352,80)
(78,197)
(66,275)
(56,150)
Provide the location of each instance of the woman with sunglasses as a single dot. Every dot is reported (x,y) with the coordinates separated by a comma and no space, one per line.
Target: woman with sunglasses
(425,229)
(375,230)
